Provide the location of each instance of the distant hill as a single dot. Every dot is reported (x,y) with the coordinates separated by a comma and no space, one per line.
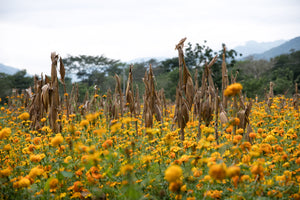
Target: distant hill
(7,69)
(253,47)
(285,48)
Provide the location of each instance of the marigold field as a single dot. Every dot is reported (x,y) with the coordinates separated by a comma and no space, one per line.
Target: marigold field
(208,144)
(92,158)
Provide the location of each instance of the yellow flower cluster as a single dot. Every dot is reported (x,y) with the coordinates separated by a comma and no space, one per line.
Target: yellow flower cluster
(233,89)
(57,140)
(5,132)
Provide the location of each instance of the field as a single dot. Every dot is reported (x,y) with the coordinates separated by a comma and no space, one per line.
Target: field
(203,146)
(91,158)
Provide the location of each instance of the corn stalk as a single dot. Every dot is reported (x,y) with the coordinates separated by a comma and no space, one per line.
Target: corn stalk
(183,102)
(151,100)
(54,96)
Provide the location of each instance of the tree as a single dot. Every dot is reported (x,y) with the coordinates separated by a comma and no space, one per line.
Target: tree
(83,66)
(19,81)
(197,57)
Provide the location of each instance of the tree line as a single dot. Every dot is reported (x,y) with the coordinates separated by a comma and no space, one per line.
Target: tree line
(254,75)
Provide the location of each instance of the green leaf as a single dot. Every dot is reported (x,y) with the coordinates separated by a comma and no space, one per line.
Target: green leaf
(67,174)
(47,184)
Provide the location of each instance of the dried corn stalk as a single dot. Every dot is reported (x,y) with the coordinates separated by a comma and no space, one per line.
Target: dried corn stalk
(270,95)
(118,99)
(137,100)
(296,97)
(54,96)
(62,79)
(151,100)
(129,94)
(204,98)
(225,81)
(108,105)
(162,98)
(186,86)
(35,108)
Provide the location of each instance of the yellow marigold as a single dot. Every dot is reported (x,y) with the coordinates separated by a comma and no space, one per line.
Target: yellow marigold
(24,116)
(24,182)
(214,194)
(286,164)
(5,132)
(175,185)
(236,121)
(37,140)
(36,171)
(245,178)
(67,159)
(84,123)
(126,168)
(91,117)
(217,171)
(252,135)
(233,89)
(57,140)
(257,169)
(53,183)
(99,131)
(233,171)
(210,138)
(5,172)
(36,158)
(173,173)
(7,147)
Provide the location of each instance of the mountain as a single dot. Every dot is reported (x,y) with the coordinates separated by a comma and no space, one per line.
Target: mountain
(7,69)
(285,48)
(145,59)
(253,47)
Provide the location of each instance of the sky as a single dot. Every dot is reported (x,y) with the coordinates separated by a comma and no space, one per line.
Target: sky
(126,30)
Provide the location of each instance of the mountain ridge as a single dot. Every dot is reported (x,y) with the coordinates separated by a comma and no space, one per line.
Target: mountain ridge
(285,48)
(8,69)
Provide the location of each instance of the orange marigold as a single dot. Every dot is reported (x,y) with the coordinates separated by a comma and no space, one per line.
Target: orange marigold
(57,140)
(173,173)
(233,89)
(217,171)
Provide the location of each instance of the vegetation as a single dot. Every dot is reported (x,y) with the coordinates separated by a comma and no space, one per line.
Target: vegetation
(212,143)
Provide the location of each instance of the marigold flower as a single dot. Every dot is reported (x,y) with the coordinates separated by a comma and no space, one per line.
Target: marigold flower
(233,171)
(173,173)
(84,123)
(257,169)
(36,158)
(36,171)
(5,172)
(24,116)
(5,132)
(217,171)
(233,89)
(57,140)
(53,183)
(67,159)
(24,182)
(7,147)
(126,168)
(252,135)
(175,185)
(107,143)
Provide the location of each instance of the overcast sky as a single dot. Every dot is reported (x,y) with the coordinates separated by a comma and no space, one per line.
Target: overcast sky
(31,29)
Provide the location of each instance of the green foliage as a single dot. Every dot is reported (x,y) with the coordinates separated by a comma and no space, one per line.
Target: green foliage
(18,81)
(283,71)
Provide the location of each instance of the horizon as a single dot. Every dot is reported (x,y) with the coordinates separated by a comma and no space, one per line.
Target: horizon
(145,59)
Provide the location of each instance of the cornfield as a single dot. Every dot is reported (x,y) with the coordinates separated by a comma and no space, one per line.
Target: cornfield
(210,144)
